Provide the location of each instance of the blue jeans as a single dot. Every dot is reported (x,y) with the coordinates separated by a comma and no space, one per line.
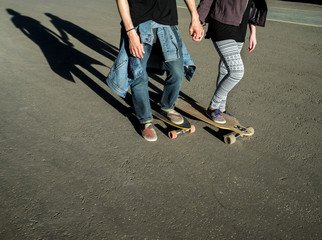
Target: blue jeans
(139,87)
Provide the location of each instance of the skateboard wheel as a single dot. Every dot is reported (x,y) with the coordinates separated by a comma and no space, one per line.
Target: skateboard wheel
(250,130)
(229,139)
(173,134)
(192,129)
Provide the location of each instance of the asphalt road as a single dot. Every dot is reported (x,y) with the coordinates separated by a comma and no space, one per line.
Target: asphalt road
(74,166)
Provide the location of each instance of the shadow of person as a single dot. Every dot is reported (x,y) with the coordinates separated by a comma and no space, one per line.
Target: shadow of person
(90,40)
(65,60)
(61,58)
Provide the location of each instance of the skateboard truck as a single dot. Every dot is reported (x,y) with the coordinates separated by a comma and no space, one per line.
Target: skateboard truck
(174,133)
(231,138)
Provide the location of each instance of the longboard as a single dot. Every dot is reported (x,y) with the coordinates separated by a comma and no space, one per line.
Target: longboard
(185,127)
(198,111)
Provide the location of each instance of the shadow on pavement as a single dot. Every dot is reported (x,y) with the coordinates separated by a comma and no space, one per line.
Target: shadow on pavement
(90,40)
(65,60)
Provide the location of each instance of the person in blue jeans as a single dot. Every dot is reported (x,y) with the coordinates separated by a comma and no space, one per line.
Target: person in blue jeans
(146,24)
(139,87)
(227,25)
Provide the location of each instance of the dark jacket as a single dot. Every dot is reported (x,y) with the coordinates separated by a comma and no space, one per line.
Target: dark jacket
(231,11)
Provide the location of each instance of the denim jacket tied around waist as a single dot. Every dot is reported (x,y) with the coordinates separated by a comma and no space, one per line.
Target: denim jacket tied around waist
(127,68)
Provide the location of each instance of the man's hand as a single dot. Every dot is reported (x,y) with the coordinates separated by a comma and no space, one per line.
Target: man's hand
(135,45)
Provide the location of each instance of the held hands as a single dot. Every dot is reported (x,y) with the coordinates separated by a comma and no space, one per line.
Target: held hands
(196,30)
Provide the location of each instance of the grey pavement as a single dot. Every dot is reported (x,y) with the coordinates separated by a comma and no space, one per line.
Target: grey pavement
(74,166)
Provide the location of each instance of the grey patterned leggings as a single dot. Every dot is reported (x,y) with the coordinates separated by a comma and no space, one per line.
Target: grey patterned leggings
(231,71)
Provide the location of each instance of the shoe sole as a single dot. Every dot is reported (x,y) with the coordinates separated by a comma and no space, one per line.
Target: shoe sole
(150,140)
(220,122)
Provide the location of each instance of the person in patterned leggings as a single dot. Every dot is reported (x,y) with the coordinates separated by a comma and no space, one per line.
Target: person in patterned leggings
(227,26)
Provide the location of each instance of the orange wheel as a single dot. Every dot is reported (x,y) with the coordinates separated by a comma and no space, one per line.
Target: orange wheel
(172,134)
(192,129)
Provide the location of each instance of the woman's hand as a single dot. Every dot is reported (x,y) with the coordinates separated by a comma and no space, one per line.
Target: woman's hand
(252,38)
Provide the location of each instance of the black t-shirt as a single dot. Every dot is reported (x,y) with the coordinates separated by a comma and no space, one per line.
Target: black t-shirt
(160,11)
(218,31)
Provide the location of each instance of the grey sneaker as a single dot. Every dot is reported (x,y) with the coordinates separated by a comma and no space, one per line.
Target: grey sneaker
(174,116)
(148,132)
(216,115)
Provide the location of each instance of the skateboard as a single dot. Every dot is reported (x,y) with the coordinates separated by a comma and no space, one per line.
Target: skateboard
(185,127)
(198,111)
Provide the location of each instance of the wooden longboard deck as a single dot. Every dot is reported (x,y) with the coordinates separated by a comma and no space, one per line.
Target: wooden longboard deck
(185,125)
(200,112)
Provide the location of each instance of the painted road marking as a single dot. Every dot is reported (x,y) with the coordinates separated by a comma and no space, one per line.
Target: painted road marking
(311,18)
(296,16)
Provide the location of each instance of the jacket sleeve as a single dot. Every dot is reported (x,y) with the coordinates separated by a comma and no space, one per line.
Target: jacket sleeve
(258,13)
(203,10)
